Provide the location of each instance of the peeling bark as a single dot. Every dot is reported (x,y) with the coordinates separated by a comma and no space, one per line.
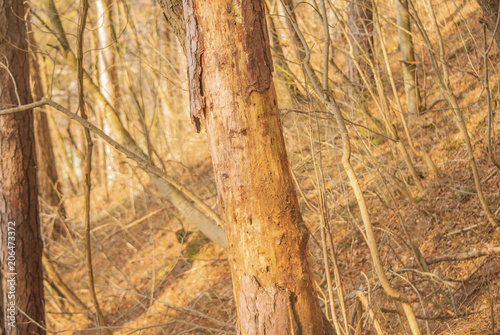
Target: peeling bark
(267,239)
(194,52)
(173,12)
(256,46)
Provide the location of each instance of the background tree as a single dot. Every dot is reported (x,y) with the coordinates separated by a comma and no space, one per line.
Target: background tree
(49,184)
(360,25)
(408,62)
(18,180)
(490,14)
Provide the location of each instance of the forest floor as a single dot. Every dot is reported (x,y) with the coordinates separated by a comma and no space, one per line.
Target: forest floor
(155,274)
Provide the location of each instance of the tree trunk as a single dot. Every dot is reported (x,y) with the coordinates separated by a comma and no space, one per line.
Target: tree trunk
(20,237)
(267,239)
(49,186)
(108,80)
(407,59)
(490,13)
(360,24)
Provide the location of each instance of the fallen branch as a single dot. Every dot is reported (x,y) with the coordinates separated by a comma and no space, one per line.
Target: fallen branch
(463,256)
(432,318)
(141,162)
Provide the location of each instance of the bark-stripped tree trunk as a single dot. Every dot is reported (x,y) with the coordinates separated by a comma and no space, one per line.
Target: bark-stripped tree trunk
(267,239)
(20,237)
(407,59)
(360,24)
(490,13)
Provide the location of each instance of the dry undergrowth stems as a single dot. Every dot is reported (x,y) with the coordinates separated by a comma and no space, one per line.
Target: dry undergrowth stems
(443,81)
(427,159)
(379,98)
(329,102)
(364,302)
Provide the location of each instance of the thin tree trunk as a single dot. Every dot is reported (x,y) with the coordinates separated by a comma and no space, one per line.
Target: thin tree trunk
(298,47)
(20,237)
(267,239)
(408,59)
(108,79)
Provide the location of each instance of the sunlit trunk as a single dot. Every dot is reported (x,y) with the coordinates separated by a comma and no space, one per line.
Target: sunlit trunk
(230,72)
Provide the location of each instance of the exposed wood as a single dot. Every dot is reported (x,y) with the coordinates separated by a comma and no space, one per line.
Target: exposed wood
(267,239)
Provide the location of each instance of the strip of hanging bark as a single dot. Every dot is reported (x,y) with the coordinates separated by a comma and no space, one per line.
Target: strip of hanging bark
(259,61)
(172,11)
(194,53)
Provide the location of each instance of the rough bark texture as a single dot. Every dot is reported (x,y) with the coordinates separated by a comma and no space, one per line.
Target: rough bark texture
(267,239)
(172,10)
(490,13)
(407,59)
(360,24)
(194,51)
(18,182)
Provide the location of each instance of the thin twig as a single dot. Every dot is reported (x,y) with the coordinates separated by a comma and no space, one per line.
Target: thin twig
(82,20)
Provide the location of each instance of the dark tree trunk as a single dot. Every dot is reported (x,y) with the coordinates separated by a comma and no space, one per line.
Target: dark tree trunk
(19,221)
(360,24)
(490,14)
(49,186)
